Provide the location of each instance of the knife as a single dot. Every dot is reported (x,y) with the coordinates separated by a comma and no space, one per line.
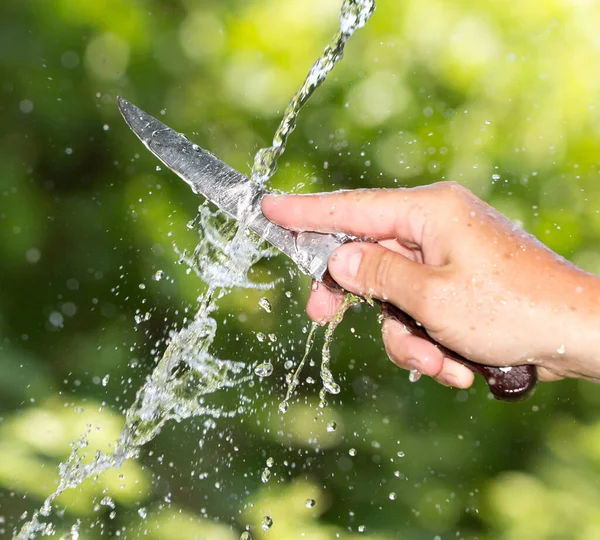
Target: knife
(238,196)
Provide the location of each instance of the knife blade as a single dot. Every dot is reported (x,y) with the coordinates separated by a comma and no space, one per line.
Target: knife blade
(238,196)
(231,191)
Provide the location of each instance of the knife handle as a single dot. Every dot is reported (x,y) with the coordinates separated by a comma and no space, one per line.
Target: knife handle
(513,383)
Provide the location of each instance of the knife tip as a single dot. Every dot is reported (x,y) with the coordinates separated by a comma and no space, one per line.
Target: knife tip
(122,103)
(130,112)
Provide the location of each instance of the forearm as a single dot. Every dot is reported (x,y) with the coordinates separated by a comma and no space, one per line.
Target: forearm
(576,341)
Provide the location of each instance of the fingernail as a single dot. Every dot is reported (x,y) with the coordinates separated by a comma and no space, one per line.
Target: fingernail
(345,262)
(354,263)
(450,380)
(269,197)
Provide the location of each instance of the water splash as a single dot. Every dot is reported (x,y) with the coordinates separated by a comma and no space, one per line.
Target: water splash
(222,259)
(186,373)
(225,253)
(329,384)
(354,14)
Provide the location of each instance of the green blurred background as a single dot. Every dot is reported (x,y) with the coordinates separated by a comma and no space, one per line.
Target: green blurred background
(501,96)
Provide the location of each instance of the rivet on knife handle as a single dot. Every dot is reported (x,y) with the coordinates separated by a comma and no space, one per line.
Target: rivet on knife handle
(513,383)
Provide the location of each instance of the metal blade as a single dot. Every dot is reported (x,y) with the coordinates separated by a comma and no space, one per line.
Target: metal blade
(229,190)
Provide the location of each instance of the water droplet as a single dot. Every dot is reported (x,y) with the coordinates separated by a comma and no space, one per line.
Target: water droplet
(270,462)
(414,375)
(283,407)
(322,398)
(397,474)
(392,496)
(352,452)
(105,380)
(330,385)
(245,536)
(265,304)
(266,523)
(264,370)
(56,319)
(331,426)
(265,476)
(261,337)
(107,501)
(400,453)
(159,275)
(26,106)
(310,503)
(142,512)
(190,224)
(361,528)
(272,338)
(562,349)
(139,318)
(74,533)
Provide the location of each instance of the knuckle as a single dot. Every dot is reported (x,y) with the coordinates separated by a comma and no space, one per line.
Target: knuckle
(456,198)
(453,191)
(453,187)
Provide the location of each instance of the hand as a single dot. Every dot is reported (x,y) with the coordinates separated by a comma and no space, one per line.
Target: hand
(478,284)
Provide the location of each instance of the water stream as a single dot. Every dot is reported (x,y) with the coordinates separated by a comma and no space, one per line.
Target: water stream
(354,14)
(188,371)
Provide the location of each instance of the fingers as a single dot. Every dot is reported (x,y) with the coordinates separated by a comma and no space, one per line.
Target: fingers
(373,213)
(323,304)
(547,375)
(369,269)
(411,352)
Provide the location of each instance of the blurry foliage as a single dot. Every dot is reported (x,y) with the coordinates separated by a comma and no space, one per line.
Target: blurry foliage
(501,96)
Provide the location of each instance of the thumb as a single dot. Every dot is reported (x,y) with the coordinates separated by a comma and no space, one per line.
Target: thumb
(369,269)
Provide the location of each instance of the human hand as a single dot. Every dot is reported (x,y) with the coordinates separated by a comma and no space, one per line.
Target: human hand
(477,283)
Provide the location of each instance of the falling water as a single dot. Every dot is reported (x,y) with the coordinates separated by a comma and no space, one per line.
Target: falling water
(187,370)
(353,15)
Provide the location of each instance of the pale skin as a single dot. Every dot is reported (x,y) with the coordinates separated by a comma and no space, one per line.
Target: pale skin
(479,284)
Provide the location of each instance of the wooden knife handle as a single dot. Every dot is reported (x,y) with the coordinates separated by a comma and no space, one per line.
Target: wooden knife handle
(512,383)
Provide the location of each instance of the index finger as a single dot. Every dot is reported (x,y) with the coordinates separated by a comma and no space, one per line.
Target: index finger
(372,213)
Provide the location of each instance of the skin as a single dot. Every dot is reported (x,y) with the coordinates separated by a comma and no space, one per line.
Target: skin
(479,284)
